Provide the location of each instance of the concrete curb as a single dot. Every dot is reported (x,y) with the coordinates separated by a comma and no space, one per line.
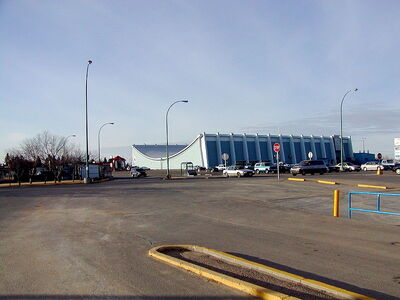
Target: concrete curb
(296,179)
(326,182)
(49,183)
(334,182)
(243,286)
(373,186)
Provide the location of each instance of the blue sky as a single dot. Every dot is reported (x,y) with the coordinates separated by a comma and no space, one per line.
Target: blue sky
(245,66)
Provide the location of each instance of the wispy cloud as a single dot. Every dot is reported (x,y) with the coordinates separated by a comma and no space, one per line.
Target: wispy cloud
(365,122)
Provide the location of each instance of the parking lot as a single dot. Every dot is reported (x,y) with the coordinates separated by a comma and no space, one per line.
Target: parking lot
(91,241)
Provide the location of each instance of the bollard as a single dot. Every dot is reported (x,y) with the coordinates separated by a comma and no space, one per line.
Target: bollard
(379,171)
(336,203)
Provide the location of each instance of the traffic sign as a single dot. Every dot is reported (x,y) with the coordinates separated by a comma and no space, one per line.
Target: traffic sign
(225,156)
(379,156)
(277,147)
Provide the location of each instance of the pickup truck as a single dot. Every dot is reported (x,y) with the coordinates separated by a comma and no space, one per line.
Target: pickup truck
(264,167)
(388,163)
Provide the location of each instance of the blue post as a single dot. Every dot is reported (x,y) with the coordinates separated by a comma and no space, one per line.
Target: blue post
(378,202)
(349,206)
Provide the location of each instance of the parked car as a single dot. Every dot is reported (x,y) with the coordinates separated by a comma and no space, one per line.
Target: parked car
(309,167)
(137,172)
(221,167)
(372,166)
(396,169)
(263,167)
(249,166)
(347,166)
(238,172)
(284,167)
(199,168)
(388,164)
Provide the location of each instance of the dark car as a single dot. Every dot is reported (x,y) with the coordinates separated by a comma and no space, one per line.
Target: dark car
(309,167)
(396,169)
(138,172)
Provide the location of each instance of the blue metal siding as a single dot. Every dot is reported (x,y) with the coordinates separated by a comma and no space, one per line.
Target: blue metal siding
(288,156)
(328,151)
(226,148)
(297,150)
(212,153)
(251,148)
(346,151)
(307,145)
(264,151)
(239,150)
(318,149)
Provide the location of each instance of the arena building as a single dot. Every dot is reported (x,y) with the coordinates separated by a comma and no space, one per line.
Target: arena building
(207,149)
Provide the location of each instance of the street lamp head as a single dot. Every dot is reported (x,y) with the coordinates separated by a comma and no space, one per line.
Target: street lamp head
(185,101)
(356,89)
(89,62)
(112,123)
(74,135)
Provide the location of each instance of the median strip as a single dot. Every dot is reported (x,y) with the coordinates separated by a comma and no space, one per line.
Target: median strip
(185,257)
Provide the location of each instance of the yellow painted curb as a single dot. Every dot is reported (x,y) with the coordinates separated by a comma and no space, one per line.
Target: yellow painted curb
(50,183)
(246,287)
(373,186)
(296,179)
(326,182)
(41,183)
(238,284)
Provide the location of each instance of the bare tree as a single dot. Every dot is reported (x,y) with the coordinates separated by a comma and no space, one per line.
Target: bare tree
(53,150)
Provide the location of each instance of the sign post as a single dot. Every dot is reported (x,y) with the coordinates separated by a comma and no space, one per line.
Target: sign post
(277,148)
(225,157)
(379,156)
(310,155)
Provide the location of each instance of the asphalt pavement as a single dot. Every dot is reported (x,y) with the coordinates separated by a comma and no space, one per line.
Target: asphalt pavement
(90,241)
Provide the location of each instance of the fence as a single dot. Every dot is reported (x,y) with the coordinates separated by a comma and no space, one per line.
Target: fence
(378,204)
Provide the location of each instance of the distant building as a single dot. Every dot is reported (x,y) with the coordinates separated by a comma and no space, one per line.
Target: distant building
(118,163)
(363,157)
(397,149)
(207,149)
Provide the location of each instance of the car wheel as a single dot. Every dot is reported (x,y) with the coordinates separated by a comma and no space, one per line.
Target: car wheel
(398,171)
(303,173)
(350,170)
(257,171)
(312,173)
(238,175)
(225,175)
(365,169)
(294,174)
(321,173)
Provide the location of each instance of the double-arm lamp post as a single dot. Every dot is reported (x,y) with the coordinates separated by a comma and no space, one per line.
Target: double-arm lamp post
(166,129)
(341,127)
(98,137)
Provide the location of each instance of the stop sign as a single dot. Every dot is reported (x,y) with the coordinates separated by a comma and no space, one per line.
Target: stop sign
(277,147)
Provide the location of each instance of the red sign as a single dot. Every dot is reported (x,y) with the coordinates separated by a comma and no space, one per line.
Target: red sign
(277,147)
(379,156)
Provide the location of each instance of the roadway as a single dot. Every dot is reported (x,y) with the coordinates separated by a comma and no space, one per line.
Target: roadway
(90,241)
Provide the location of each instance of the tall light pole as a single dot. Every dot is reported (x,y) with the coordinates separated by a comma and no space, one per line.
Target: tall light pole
(166,129)
(98,137)
(86,179)
(363,144)
(341,127)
